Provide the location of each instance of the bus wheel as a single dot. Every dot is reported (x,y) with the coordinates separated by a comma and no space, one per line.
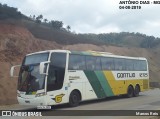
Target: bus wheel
(74,99)
(130,92)
(136,91)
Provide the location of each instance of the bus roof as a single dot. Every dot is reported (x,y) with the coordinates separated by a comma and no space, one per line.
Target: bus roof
(45,51)
(90,52)
(105,54)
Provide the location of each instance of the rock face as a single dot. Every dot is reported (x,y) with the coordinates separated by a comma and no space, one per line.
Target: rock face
(16,42)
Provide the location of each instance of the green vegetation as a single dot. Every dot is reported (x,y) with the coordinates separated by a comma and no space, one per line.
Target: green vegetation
(7,12)
(12,13)
(124,39)
(53,30)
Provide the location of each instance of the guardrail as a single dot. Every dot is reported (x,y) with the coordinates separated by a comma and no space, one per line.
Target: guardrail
(154,84)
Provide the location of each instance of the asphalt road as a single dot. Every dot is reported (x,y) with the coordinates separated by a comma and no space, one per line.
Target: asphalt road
(149,100)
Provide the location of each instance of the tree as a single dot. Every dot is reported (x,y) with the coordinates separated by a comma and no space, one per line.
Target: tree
(9,12)
(148,42)
(68,28)
(34,17)
(39,18)
(56,24)
(45,20)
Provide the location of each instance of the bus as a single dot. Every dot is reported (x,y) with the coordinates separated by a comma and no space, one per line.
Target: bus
(62,76)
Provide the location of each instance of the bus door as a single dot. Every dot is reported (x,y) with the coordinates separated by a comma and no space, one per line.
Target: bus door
(56,75)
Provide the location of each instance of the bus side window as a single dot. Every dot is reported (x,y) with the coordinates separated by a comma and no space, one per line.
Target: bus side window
(129,64)
(107,63)
(90,62)
(136,65)
(98,63)
(116,64)
(76,62)
(143,65)
(119,64)
(104,64)
(93,63)
(140,65)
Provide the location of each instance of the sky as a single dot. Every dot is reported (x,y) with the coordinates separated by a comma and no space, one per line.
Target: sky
(94,16)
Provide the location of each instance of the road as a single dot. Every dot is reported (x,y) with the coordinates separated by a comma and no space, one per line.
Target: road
(149,100)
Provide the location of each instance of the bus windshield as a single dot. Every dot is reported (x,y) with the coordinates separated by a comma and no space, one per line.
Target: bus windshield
(29,78)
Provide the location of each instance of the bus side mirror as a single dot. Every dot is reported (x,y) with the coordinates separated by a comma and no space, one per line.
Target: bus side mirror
(12,70)
(42,67)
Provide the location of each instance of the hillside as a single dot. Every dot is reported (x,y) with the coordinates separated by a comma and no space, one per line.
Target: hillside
(17,41)
(54,30)
(61,36)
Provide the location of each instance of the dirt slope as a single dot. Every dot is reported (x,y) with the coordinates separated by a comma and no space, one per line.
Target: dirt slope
(16,42)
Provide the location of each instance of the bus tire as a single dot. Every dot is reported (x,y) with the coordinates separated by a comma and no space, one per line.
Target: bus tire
(130,92)
(136,91)
(74,99)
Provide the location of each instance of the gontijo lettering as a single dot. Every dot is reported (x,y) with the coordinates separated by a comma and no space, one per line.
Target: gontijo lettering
(125,75)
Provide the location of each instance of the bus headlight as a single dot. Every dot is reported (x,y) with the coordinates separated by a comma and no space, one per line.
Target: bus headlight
(40,94)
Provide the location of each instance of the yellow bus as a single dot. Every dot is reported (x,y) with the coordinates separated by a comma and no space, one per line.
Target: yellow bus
(61,76)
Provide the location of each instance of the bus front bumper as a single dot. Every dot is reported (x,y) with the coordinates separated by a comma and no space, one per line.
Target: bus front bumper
(37,101)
